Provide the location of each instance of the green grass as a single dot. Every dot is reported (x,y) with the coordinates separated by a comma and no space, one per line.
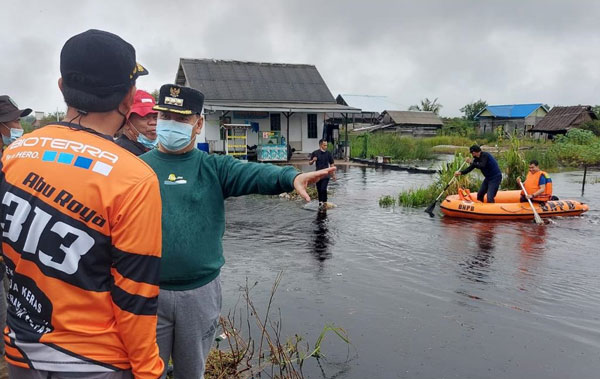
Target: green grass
(387,201)
(418,197)
(400,148)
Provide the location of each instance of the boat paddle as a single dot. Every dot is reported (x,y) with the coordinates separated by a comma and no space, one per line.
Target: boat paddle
(431,206)
(536,216)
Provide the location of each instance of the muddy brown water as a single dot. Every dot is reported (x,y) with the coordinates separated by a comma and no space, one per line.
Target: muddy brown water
(423,297)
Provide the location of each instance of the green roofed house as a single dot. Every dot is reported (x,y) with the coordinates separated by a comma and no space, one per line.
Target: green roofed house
(519,118)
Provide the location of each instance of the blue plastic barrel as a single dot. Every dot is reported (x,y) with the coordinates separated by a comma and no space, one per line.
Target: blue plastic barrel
(203,146)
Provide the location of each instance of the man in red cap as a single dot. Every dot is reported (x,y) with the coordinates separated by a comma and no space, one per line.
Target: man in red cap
(10,128)
(139,132)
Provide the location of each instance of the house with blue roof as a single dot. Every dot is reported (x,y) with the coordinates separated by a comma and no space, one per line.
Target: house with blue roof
(519,118)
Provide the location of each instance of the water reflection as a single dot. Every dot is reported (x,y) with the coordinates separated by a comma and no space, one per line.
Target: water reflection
(322,237)
(476,267)
(532,244)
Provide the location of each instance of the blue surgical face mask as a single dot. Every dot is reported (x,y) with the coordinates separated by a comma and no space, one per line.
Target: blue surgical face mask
(174,135)
(14,134)
(145,141)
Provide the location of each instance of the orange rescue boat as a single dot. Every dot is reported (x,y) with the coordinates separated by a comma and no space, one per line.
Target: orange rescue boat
(508,207)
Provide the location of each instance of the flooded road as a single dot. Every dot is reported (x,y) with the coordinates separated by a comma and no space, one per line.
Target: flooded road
(424,297)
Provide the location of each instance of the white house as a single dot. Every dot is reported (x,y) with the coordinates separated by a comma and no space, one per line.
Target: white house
(292,98)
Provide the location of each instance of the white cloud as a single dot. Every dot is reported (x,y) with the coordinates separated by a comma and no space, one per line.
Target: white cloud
(458,51)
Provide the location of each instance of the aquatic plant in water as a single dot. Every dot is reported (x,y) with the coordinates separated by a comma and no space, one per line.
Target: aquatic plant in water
(387,201)
(418,197)
(269,354)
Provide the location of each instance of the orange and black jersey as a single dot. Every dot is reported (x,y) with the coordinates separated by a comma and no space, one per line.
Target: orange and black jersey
(81,238)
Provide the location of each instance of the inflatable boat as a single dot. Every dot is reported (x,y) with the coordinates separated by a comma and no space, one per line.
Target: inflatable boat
(508,207)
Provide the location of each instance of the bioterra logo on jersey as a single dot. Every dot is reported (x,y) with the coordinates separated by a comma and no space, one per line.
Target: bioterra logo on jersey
(66,152)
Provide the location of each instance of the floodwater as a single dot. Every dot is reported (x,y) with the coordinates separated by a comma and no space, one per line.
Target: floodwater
(423,297)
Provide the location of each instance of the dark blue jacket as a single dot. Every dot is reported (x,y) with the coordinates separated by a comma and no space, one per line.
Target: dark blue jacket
(487,164)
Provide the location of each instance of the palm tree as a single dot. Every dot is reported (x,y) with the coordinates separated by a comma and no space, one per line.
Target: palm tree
(427,106)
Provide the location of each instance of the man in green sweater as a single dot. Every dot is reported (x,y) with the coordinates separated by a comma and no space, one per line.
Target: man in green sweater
(193,187)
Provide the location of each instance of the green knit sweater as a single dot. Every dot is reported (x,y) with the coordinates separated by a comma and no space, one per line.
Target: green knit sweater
(193,187)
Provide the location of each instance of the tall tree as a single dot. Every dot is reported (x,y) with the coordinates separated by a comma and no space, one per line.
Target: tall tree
(427,106)
(472,109)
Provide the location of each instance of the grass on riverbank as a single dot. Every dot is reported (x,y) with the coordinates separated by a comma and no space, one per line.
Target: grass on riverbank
(416,197)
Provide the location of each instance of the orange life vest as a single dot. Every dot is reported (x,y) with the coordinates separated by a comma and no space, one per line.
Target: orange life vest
(532,185)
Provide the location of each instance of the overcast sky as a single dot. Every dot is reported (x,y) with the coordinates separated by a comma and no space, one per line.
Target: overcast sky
(504,52)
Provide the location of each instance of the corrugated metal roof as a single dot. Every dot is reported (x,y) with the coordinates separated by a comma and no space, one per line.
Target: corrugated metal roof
(561,119)
(415,118)
(368,103)
(512,110)
(254,82)
(279,107)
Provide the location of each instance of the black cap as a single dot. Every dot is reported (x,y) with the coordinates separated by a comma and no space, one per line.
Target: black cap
(474,149)
(97,69)
(9,110)
(177,99)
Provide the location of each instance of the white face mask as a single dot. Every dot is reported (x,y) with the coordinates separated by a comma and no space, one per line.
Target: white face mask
(14,134)
(174,135)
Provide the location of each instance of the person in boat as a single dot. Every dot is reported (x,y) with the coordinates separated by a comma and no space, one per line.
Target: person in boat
(537,184)
(323,160)
(490,170)
(194,186)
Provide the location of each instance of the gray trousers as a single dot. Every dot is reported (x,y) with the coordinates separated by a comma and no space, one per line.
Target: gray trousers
(15,372)
(187,324)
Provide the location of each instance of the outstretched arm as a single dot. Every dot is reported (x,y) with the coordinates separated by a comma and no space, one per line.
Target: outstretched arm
(303,180)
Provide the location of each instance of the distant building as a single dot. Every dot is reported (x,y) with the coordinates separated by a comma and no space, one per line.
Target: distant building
(371,107)
(291,98)
(414,123)
(518,118)
(560,119)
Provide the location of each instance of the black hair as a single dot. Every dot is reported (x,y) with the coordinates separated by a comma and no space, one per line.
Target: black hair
(88,102)
(474,149)
(535,162)
(322,140)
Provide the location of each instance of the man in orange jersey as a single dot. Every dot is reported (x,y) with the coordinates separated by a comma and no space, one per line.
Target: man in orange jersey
(81,230)
(537,184)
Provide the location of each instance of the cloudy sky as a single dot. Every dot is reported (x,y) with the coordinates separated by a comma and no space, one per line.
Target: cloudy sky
(504,51)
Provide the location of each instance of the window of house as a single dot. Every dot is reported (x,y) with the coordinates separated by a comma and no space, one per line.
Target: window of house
(312,125)
(275,121)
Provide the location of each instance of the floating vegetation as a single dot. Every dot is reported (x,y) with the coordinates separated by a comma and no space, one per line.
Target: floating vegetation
(387,201)
(418,197)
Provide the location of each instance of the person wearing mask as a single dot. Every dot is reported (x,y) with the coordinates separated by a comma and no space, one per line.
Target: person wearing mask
(194,186)
(10,127)
(538,184)
(323,160)
(139,132)
(490,170)
(82,237)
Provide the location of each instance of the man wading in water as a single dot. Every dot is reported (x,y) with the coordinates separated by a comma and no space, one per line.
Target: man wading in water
(323,159)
